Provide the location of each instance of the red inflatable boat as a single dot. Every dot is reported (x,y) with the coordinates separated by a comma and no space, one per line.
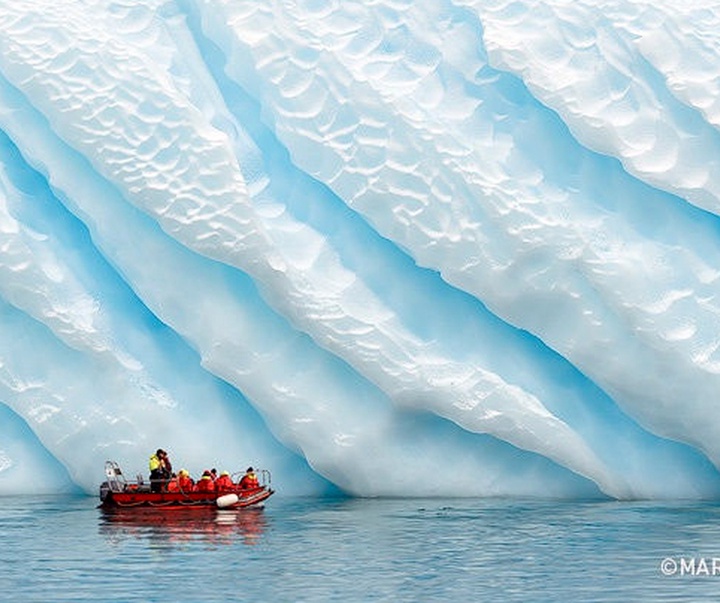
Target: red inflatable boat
(117,492)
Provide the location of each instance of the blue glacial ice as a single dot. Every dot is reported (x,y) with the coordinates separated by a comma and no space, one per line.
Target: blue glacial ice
(465,247)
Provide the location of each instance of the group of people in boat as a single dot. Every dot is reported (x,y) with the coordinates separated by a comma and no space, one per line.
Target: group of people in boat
(163,479)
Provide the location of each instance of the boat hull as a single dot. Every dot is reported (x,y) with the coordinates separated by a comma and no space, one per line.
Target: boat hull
(168,500)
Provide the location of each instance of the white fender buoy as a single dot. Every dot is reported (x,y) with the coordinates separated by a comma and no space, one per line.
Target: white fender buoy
(228,500)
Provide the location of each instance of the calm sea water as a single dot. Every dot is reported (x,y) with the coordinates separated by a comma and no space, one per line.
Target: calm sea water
(54,550)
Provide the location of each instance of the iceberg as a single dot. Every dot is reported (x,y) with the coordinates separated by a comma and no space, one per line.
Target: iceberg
(390,248)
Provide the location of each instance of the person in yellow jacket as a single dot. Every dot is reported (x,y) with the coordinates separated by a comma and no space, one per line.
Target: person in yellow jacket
(160,470)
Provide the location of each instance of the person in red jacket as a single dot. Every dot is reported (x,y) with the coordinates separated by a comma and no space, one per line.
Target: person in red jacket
(224,483)
(185,482)
(249,480)
(174,484)
(205,483)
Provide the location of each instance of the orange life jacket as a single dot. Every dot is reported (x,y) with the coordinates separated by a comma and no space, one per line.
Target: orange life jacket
(249,480)
(205,484)
(224,483)
(185,483)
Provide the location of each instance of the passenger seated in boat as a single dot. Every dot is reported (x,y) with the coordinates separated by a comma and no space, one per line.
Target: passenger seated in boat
(173,485)
(185,482)
(224,483)
(205,483)
(249,480)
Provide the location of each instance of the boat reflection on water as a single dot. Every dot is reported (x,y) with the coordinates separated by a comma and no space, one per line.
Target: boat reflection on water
(216,526)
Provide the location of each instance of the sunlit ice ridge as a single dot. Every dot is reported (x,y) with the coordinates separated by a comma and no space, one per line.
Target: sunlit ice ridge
(381,248)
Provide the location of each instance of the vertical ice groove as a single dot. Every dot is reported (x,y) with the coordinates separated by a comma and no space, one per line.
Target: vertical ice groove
(21,453)
(626,295)
(36,280)
(555,46)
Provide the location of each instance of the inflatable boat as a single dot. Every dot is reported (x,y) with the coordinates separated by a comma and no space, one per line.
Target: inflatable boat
(117,492)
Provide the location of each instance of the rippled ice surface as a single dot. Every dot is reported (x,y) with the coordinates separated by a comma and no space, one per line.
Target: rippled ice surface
(361,550)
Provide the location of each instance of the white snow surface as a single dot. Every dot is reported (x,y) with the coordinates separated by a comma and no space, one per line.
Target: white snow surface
(363,244)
